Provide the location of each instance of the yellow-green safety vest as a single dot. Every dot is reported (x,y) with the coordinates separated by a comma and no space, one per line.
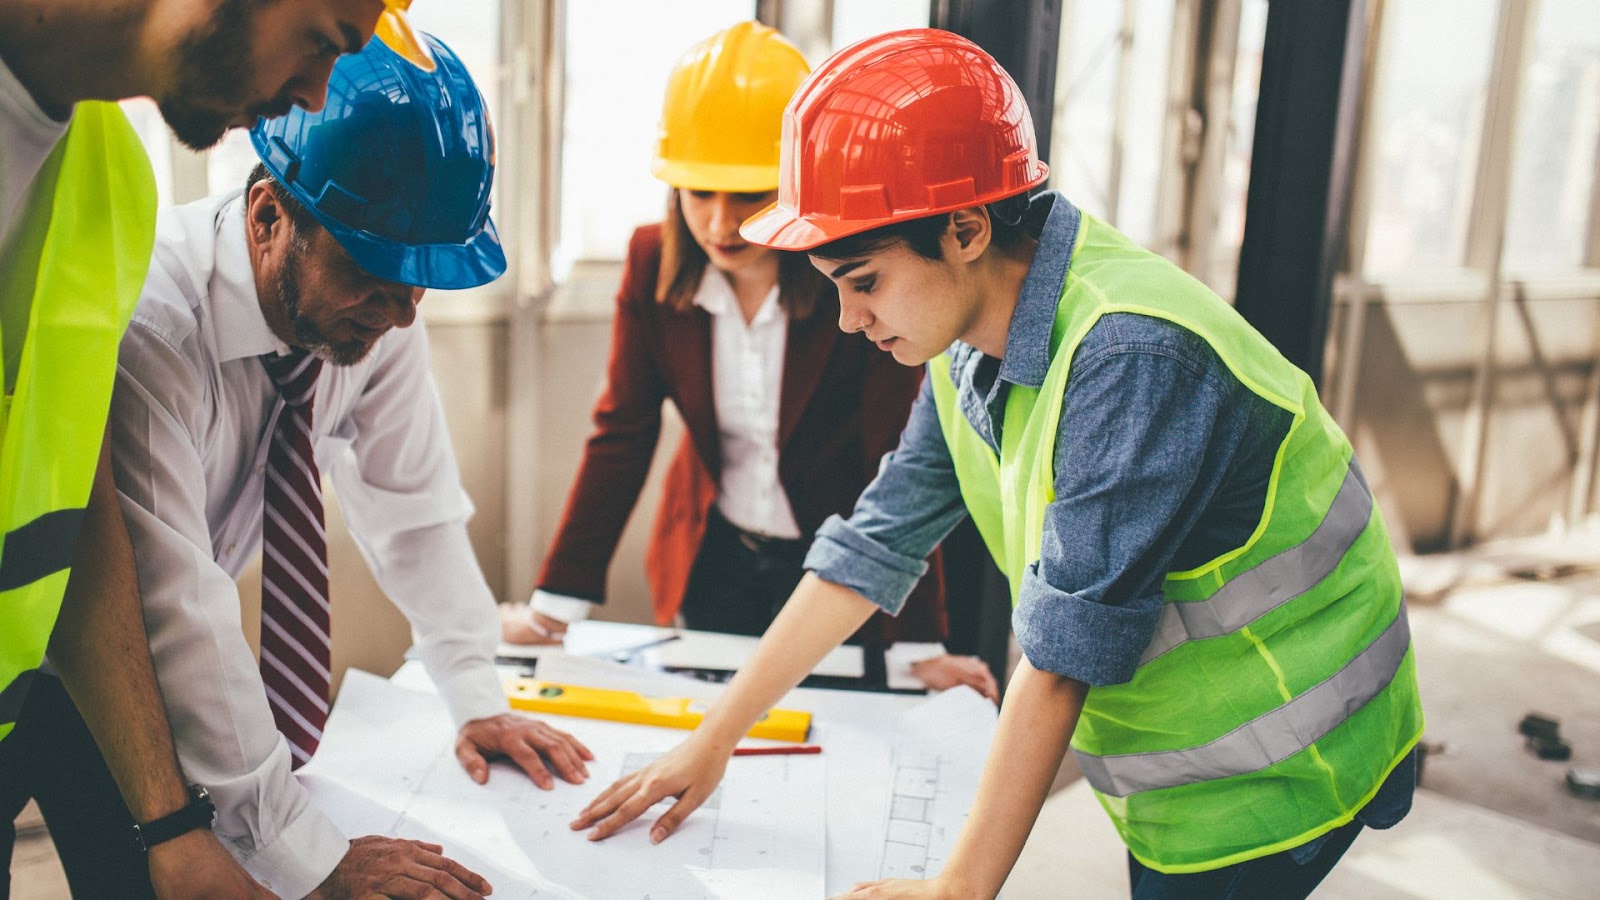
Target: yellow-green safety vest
(1280,689)
(80,256)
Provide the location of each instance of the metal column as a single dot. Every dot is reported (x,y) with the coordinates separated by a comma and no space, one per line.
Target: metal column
(1301,169)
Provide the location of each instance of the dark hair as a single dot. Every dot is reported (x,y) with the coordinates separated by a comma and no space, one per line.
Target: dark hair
(683,264)
(1006,223)
(299,217)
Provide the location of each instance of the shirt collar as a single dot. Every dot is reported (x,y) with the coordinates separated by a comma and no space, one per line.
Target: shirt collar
(1027,355)
(715,296)
(241,327)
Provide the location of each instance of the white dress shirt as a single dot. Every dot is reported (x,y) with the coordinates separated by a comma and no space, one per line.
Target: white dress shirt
(746,381)
(191,420)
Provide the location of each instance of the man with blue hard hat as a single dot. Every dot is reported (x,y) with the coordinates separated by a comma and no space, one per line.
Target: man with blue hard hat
(77,221)
(273,344)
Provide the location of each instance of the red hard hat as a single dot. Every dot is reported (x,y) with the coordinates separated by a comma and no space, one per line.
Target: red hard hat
(899,126)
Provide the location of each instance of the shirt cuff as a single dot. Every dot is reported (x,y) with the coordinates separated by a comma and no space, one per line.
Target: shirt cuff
(561,606)
(1077,638)
(475,693)
(902,655)
(843,555)
(305,852)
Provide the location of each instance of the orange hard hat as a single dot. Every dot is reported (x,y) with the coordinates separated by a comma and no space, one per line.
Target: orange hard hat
(897,127)
(395,30)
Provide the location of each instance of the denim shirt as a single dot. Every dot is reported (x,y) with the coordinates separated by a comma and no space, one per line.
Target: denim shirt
(1162,462)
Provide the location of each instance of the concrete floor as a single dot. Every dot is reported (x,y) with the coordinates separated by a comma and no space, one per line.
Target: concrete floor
(1499,631)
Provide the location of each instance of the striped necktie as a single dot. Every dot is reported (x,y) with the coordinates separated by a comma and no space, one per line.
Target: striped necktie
(295,645)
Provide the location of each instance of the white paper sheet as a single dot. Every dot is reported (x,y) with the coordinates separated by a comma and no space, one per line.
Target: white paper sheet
(589,638)
(729,653)
(654,647)
(386,766)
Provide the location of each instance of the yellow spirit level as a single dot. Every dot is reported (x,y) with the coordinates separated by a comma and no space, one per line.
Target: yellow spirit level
(626,706)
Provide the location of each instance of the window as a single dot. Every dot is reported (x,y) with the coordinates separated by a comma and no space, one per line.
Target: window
(1221,271)
(618,57)
(1558,131)
(1088,165)
(1432,79)
(855,20)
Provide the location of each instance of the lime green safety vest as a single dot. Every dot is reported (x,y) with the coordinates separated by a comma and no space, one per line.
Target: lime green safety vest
(1280,689)
(81,254)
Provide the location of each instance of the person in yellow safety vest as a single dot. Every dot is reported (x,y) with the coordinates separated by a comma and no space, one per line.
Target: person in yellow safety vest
(77,218)
(1205,594)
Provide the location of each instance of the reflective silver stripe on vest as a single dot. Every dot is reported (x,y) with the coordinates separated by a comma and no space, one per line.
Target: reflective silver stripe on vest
(1269,738)
(1275,581)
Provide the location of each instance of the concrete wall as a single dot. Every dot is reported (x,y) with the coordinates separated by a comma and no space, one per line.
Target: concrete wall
(1417,367)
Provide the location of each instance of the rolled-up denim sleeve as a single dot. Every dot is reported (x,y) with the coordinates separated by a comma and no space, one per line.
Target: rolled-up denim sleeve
(1141,450)
(880,551)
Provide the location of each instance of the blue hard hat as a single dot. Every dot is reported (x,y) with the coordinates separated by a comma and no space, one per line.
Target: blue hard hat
(397,167)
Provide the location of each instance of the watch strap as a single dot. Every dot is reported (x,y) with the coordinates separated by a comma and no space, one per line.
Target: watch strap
(197,813)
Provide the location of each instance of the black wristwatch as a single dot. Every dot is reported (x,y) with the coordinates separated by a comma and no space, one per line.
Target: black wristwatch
(198,813)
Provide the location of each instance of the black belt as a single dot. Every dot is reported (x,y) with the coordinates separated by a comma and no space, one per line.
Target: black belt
(755,541)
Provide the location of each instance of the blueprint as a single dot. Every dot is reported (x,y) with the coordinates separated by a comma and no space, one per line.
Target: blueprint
(386,766)
(939,747)
(902,773)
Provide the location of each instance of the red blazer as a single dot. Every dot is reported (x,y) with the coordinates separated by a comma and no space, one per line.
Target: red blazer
(843,404)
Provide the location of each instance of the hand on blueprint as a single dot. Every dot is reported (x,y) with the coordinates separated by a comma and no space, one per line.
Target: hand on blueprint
(389,867)
(894,888)
(528,743)
(196,865)
(689,772)
(947,671)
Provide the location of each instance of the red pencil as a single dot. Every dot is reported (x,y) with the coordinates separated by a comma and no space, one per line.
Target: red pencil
(776,751)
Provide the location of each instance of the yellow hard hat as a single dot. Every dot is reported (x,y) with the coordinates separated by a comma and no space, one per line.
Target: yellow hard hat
(722,121)
(395,30)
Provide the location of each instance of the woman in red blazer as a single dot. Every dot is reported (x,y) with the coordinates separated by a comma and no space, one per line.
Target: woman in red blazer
(786,417)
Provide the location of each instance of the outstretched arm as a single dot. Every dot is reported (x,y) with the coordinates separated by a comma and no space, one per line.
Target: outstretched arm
(817,618)
(101,651)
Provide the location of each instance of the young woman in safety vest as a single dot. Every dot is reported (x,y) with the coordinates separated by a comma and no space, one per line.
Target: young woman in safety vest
(785,418)
(1205,594)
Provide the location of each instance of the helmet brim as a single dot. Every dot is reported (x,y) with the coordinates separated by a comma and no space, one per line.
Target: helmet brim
(478,261)
(782,227)
(729,177)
